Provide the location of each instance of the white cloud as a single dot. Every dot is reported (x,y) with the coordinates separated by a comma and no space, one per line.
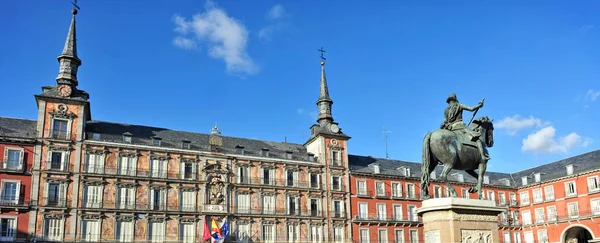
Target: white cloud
(592,95)
(545,141)
(226,38)
(184,43)
(276,12)
(514,124)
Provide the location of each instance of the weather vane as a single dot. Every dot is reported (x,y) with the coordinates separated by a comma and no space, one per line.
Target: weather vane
(322,56)
(75,7)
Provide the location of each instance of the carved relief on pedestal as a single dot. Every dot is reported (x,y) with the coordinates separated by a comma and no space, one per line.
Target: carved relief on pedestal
(476,236)
(432,236)
(216,187)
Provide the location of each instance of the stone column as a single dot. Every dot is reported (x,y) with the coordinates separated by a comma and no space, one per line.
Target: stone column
(458,220)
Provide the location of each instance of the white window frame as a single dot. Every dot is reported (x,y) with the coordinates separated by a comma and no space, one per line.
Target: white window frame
(296,200)
(162,199)
(60,227)
(127,202)
(21,152)
(64,160)
(268,204)
(542,236)
(361,191)
(570,212)
(401,234)
(339,186)
(338,234)
(243,179)
(549,193)
(316,231)
(161,229)
(537,195)
(194,172)
(595,205)
(62,193)
(502,198)
(567,192)
(540,216)
(524,198)
(130,169)
(97,166)
(381,211)
(382,235)
(363,214)
(412,213)
(188,200)
(411,194)
(551,216)
(593,184)
(380,188)
(397,192)
(340,202)
(243,203)
(410,235)
(12,234)
(88,191)
(244,232)
(361,233)
(91,233)
(294,178)
(437,191)
(272,236)
(526,217)
(465,193)
(69,125)
(336,157)
(398,212)
(158,168)
(185,236)
(12,200)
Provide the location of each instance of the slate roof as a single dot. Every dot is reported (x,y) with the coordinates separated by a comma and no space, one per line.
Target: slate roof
(17,127)
(363,164)
(113,132)
(52,92)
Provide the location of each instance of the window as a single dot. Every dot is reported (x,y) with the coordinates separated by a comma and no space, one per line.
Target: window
(517,237)
(381,212)
(158,168)
(60,129)
(524,180)
(127,137)
(243,203)
(364,236)
(126,198)
(526,217)
(93,196)
(362,188)
(437,191)
(337,209)
(314,180)
(410,190)
(537,177)
(268,233)
(157,199)
(335,183)
(57,161)
(124,231)
(338,234)
(595,205)
(8,229)
(505,237)
(549,192)
(528,237)
(13,159)
(185,144)
(465,193)
(412,213)
(90,230)
(396,189)
(486,179)
(573,209)
(502,197)
(127,166)
(188,171)
(491,196)
(551,211)
(311,157)
(376,169)
(460,178)
(188,200)
(569,169)
(363,211)
(268,176)
(542,236)
(293,205)
(380,188)
(53,229)
(524,198)
(570,189)
(156,141)
(156,231)
(268,204)
(315,207)
(414,236)
(243,232)
(265,152)
(537,195)
(335,158)
(513,199)
(94,163)
(316,233)
(95,136)
(243,173)
(539,215)
(397,212)
(293,233)
(399,236)
(292,178)
(288,155)
(10,190)
(55,194)
(593,185)
(187,233)
(239,149)
(382,237)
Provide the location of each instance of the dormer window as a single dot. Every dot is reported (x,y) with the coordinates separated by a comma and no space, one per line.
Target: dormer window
(288,154)
(156,141)
(127,137)
(524,180)
(460,178)
(265,152)
(185,144)
(537,177)
(486,179)
(239,149)
(96,136)
(376,168)
(505,181)
(311,157)
(569,169)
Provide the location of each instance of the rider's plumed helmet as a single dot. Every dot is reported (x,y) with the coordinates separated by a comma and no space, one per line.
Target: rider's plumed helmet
(451,97)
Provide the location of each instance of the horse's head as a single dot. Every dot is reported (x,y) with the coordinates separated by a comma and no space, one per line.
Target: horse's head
(486,127)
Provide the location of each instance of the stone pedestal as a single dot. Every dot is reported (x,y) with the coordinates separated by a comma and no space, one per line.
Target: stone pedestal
(460,220)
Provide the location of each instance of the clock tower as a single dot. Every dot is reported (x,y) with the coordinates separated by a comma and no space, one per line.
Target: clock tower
(329,146)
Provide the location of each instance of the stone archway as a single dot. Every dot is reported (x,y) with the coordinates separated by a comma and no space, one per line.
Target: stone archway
(577,234)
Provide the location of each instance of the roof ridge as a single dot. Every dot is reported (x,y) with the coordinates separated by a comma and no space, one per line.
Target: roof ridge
(17,118)
(557,161)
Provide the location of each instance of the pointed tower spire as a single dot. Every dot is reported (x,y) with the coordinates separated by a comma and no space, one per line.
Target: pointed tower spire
(68,60)
(324,102)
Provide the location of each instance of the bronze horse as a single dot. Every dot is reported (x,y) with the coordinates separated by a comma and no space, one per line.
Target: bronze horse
(452,149)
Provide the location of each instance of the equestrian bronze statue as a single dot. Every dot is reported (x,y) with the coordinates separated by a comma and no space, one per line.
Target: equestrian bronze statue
(457,146)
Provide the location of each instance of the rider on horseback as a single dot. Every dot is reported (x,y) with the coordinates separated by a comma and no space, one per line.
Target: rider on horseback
(453,122)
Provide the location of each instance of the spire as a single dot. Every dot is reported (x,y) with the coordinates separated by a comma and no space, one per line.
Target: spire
(324,102)
(68,60)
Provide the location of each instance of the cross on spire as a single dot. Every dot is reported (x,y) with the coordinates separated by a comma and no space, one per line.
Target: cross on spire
(75,7)
(322,56)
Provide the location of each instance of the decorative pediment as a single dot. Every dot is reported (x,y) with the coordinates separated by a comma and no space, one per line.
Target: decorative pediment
(313,223)
(127,218)
(159,156)
(293,194)
(62,112)
(268,193)
(93,183)
(91,217)
(215,168)
(339,225)
(130,154)
(126,184)
(57,180)
(243,192)
(294,223)
(158,186)
(187,189)
(187,220)
(268,166)
(53,147)
(315,196)
(243,221)
(243,164)
(314,170)
(189,160)
(292,168)
(337,173)
(96,151)
(54,215)
(157,218)
(268,222)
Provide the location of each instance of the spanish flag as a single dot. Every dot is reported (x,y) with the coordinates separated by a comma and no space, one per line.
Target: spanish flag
(215,231)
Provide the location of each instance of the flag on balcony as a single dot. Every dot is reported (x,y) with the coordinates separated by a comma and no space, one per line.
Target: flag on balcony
(225,229)
(206,235)
(216,231)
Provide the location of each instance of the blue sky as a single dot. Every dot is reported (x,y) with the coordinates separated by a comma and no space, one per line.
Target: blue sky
(253,67)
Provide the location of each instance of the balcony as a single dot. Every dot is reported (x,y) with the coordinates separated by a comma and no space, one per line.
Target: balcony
(386,218)
(58,134)
(56,203)
(270,182)
(141,207)
(7,201)
(57,166)
(12,166)
(382,194)
(136,172)
(338,187)
(364,193)
(337,214)
(279,212)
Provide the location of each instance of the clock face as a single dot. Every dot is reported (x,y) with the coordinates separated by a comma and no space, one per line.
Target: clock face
(64,90)
(334,128)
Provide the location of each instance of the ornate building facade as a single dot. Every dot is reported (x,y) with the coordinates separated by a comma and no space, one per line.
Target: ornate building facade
(67,177)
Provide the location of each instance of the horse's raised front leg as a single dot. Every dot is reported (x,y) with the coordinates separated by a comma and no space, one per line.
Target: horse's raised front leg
(476,176)
(444,177)
(482,168)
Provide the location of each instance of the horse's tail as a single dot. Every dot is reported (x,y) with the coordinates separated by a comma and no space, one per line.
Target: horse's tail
(426,163)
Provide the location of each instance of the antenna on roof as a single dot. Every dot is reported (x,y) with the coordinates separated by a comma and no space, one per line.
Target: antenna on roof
(385,132)
(285,139)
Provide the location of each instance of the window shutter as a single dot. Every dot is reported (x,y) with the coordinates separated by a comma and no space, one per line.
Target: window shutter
(182,170)
(5,158)
(21,158)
